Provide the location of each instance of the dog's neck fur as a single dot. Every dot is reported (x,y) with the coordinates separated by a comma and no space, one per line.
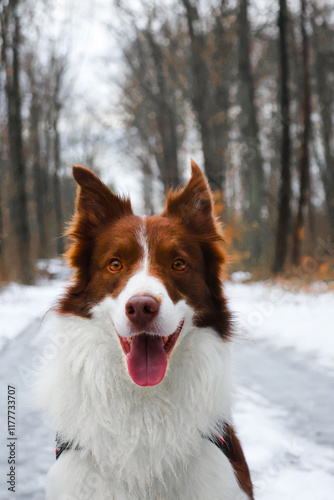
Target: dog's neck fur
(135,434)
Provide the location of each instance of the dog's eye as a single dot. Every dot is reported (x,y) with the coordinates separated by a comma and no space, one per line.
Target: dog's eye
(115,265)
(179,265)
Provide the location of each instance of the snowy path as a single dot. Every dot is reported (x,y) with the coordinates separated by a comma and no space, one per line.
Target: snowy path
(285,419)
(284,414)
(294,382)
(35,445)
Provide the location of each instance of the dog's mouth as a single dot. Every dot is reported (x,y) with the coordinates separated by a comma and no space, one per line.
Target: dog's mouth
(147,355)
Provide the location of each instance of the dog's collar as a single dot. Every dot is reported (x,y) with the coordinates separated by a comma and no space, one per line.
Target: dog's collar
(216,439)
(62,445)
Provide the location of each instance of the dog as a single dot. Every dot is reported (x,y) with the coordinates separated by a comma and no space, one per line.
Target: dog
(138,388)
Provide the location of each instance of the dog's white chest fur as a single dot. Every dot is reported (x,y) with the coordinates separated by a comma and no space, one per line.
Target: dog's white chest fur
(136,442)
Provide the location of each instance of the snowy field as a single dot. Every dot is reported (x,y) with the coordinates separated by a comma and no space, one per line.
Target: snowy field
(284,364)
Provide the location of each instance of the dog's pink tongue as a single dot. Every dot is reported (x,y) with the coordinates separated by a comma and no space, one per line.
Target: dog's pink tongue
(147,359)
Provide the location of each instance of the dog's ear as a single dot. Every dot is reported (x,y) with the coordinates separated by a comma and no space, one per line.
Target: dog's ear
(95,203)
(96,207)
(194,205)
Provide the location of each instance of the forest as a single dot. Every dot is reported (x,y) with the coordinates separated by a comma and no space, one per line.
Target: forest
(245,88)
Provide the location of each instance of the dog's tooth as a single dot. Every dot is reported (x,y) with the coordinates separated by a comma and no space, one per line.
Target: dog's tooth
(165,339)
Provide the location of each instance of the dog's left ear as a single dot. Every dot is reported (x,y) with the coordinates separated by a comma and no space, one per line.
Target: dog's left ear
(95,203)
(194,205)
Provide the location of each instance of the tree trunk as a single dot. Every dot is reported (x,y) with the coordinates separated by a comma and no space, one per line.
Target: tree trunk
(2,267)
(214,167)
(165,119)
(252,164)
(47,160)
(56,184)
(252,158)
(19,205)
(326,101)
(283,221)
(304,161)
(147,187)
(39,188)
(2,173)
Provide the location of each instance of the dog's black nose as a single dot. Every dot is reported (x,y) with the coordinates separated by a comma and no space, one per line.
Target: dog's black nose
(141,309)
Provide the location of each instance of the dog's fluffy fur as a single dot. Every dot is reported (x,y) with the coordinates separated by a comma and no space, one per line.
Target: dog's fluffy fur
(134,442)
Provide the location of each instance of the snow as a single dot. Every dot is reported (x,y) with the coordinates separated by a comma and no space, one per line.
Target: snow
(20,305)
(240,276)
(304,321)
(283,357)
(283,465)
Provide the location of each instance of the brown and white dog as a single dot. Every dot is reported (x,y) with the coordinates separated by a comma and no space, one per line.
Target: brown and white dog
(139,386)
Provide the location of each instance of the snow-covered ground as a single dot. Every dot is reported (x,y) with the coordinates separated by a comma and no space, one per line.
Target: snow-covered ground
(284,358)
(284,354)
(303,320)
(20,304)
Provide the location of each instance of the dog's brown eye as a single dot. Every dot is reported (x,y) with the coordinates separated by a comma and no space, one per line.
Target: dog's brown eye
(115,265)
(179,265)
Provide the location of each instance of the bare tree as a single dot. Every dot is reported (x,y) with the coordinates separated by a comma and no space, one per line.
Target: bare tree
(202,94)
(252,163)
(283,222)
(165,115)
(10,32)
(57,70)
(2,253)
(37,168)
(151,103)
(2,172)
(58,196)
(147,182)
(304,196)
(252,158)
(321,43)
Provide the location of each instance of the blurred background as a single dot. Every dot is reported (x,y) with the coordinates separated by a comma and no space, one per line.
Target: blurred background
(133,90)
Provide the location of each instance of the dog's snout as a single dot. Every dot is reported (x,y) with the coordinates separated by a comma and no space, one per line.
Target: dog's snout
(141,309)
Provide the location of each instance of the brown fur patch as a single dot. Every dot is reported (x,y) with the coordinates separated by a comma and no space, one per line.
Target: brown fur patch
(97,212)
(190,212)
(233,451)
(199,284)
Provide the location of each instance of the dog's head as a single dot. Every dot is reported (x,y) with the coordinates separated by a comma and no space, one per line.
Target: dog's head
(155,277)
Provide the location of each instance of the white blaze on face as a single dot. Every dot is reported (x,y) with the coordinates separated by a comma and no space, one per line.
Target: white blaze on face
(142,239)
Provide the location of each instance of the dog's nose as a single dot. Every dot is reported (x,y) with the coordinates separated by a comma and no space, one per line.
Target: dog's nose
(141,309)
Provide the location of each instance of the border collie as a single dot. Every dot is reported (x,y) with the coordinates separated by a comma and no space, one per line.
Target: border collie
(139,387)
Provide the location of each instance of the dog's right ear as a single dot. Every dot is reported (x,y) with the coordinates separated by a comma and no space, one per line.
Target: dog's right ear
(96,205)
